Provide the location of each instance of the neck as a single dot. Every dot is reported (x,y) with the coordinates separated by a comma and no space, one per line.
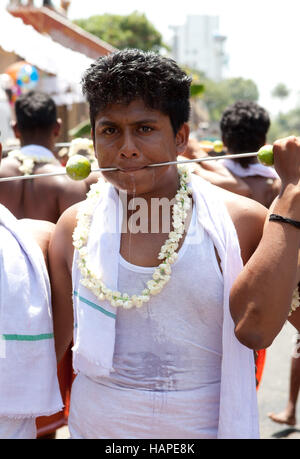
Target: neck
(151,209)
(46,143)
(243,161)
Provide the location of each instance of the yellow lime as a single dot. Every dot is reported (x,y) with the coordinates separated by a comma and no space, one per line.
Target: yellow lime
(78,167)
(218,146)
(265,155)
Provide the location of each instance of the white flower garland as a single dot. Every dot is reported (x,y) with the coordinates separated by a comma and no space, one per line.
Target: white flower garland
(83,147)
(168,255)
(28,162)
(81,144)
(295,301)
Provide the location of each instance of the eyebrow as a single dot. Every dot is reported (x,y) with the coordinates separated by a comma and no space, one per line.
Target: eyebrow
(113,123)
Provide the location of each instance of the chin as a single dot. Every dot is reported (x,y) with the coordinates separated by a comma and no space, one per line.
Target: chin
(134,183)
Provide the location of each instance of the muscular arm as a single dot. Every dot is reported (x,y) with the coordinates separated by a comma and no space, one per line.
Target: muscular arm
(261,295)
(294,318)
(60,268)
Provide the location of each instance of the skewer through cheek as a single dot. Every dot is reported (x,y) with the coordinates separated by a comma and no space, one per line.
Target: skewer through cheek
(78,167)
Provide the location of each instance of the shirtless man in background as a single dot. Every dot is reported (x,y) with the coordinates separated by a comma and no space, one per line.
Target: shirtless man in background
(37,127)
(244,126)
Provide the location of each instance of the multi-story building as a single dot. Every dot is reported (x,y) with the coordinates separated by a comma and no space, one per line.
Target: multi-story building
(199,45)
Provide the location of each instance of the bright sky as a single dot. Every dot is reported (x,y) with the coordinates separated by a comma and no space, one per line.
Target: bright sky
(263,35)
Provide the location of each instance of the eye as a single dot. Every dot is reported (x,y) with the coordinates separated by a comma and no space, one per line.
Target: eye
(145,129)
(109,130)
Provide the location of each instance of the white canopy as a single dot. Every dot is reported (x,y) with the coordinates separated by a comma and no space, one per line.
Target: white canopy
(44,53)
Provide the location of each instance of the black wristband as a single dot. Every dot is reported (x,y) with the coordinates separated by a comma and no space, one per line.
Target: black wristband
(279,218)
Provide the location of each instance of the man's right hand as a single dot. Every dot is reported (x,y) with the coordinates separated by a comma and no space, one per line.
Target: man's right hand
(287,160)
(287,165)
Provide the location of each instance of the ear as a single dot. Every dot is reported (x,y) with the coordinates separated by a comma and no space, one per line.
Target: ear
(15,128)
(182,138)
(57,127)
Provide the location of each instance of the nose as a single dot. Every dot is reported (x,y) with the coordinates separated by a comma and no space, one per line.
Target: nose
(128,149)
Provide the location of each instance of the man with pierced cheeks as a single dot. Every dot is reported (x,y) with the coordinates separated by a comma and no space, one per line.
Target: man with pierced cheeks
(165,323)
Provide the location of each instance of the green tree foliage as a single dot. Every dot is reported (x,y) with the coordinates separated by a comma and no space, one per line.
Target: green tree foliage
(280,91)
(218,96)
(285,124)
(131,31)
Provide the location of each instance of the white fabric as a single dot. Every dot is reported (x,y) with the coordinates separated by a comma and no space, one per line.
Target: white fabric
(238,399)
(6,132)
(167,355)
(238,404)
(139,414)
(38,151)
(17,429)
(28,370)
(251,170)
(104,225)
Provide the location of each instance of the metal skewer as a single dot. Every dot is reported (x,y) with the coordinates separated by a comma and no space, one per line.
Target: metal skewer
(111,169)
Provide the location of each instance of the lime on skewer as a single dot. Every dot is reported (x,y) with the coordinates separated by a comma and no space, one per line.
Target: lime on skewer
(265,155)
(78,167)
(218,146)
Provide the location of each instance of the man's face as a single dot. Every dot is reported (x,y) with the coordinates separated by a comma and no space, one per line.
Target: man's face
(130,137)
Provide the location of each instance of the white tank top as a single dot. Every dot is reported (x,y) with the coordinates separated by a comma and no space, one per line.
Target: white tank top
(170,348)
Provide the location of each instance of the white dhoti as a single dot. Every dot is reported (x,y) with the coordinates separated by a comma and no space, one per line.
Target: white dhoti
(17,429)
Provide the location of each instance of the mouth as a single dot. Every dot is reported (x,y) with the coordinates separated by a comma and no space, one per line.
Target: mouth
(131,169)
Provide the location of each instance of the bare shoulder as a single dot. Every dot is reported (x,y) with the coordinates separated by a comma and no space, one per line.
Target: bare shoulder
(61,244)
(9,167)
(41,231)
(241,208)
(35,226)
(68,218)
(248,217)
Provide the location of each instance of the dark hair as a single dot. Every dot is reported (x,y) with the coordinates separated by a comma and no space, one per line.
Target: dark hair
(244,126)
(35,110)
(132,74)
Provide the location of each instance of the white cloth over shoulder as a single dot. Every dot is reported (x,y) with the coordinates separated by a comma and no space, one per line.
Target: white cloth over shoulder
(251,170)
(93,350)
(38,151)
(104,244)
(28,370)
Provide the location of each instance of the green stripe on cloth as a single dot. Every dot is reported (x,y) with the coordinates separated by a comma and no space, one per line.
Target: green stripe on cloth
(95,306)
(27,337)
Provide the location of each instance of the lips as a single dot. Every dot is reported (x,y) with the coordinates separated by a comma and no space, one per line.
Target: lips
(131,169)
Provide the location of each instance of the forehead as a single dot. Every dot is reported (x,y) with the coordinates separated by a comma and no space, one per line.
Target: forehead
(135,111)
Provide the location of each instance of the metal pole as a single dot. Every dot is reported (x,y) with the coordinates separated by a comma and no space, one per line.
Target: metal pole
(111,169)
